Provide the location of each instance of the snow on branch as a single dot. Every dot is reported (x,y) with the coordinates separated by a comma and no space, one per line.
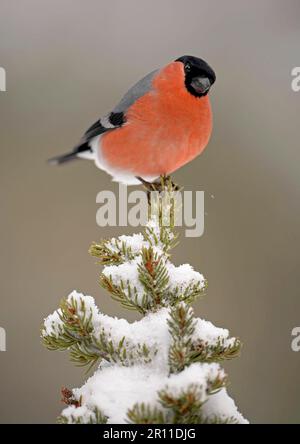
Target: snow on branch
(91,337)
(145,346)
(138,272)
(182,398)
(163,368)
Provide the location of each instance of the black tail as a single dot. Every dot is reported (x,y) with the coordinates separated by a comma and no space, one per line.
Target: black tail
(62,159)
(73,155)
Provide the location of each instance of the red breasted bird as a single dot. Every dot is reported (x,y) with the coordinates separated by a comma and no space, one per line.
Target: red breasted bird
(163,122)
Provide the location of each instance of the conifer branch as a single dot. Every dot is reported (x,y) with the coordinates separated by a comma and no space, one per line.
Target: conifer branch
(76,326)
(185,406)
(182,408)
(76,334)
(145,414)
(165,237)
(181,327)
(189,295)
(111,252)
(125,294)
(204,352)
(153,275)
(138,274)
(200,419)
(185,350)
(95,416)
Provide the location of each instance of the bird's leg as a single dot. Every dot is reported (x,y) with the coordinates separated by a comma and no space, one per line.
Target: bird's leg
(164,183)
(150,186)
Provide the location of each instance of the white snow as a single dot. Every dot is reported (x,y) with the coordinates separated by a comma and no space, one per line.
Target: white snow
(127,274)
(116,389)
(154,233)
(52,324)
(222,406)
(183,276)
(180,278)
(84,302)
(82,413)
(209,333)
(136,242)
(151,329)
(113,388)
(196,375)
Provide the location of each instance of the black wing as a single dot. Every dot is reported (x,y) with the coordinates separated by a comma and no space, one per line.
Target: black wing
(112,121)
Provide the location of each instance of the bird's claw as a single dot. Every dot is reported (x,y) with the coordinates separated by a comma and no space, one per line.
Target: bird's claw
(164,183)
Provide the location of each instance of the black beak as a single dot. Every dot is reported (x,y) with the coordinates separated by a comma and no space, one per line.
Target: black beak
(201,84)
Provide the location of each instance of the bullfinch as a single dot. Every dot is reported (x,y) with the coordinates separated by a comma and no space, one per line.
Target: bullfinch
(163,122)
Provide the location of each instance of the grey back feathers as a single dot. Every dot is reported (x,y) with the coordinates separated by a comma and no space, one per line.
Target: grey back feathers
(117,117)
(109,122)
(135,92)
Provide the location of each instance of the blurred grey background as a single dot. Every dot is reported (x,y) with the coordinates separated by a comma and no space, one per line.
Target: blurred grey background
(68,62)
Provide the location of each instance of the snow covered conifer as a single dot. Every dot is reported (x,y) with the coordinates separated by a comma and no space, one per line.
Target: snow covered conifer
(164,368)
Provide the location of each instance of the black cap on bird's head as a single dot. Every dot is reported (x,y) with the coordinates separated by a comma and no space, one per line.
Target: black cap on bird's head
(199,76)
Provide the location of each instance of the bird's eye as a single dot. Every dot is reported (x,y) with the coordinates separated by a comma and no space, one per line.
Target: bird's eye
(187,67)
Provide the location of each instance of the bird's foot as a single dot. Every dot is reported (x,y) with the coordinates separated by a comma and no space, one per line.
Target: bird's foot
(164,183)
